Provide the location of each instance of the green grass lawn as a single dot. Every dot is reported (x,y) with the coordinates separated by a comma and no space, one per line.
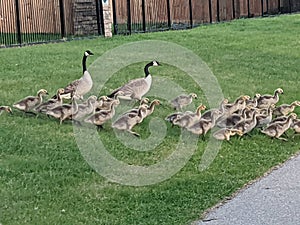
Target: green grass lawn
(44,179)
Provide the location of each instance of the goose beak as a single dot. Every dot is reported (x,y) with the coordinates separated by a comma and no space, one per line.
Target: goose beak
(155,63)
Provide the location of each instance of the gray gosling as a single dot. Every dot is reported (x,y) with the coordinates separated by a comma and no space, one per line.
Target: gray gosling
(127,121)
(29,103)
(285,109)
(275,130)
(183,100)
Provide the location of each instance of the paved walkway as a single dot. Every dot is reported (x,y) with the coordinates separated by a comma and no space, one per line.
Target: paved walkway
(273,200)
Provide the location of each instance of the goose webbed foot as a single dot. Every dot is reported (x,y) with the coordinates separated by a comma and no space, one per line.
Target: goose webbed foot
(134,133)
(283,139)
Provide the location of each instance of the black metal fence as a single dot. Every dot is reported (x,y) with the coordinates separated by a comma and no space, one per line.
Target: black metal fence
(134,16)
(35,21)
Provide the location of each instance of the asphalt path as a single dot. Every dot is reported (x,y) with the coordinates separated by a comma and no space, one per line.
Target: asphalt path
(272,200)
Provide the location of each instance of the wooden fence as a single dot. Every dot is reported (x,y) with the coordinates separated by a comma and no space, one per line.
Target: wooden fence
(147,15)
(36,16)
(29,21)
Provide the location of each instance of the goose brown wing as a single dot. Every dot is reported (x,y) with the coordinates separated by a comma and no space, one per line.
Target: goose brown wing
(135,86)
(69,89)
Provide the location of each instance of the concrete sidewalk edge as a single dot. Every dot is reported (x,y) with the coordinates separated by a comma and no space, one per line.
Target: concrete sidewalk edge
(245,187)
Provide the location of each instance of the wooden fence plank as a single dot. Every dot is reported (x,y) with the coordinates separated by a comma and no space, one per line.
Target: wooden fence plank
(200,11)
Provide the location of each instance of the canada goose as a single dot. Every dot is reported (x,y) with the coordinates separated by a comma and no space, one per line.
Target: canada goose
(84,110)
(79,87)
(265,119)
(127,121)
(30,102)
(232,119)
(6,109)
(107,101)
(237,105)
(266,100)
(296,126)
(64,111)
(189,118)
(279,119)
(226,133)
(247,125)
(51,103)
(207,115)
(203,126)
(170,118)
(100,103)
(183,100)
(150,108)
(143,102)
(99,118)
(252,103)
(275,130)
(285,109)
(137,88)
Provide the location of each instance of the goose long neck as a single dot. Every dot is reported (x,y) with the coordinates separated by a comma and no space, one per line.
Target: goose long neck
(84,63)
(146,69)
(59,97)
(289,121)
(112,108)
(40,97)
(222,107)
(74,106)
(152,106)
(276,94)
(198,112)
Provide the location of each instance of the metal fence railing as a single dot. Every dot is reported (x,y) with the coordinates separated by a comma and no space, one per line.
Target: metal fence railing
(35,21)
(134,16)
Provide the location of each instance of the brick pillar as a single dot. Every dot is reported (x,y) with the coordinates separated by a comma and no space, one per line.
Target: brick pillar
(107,18)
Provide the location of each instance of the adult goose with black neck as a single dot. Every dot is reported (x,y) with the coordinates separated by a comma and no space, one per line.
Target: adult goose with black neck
(78,88)
(137,88)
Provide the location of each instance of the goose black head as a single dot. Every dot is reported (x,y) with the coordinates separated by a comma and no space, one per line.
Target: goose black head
(88,52)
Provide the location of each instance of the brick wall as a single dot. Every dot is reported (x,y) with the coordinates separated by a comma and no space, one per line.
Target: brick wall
(85,17)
